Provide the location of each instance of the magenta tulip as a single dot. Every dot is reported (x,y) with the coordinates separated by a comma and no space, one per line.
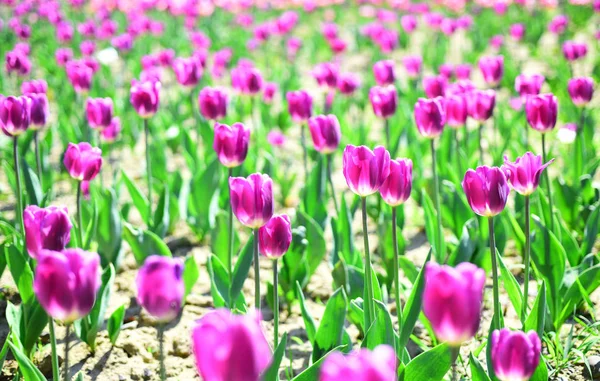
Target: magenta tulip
(408,23)
(446,71)
(384,72)
(515,355)
(364,365)
(517,31)
(325,133)
(99,112)
(492,69)
(326,74)
(275,237)
(269,91)
(299,105)
(574,50)
(463,71)
(17,62)
(46,229)
(524,174)
(231,143)
(35,86)
(447,287)
(82,161)
(38,110)
(160,287)
(14,115)
(80,75)
(246,79)
(348,83)
(252,199)
(412,65)
(63,55)
(434,86)
(541,111)
(527,85)
(276,138)
(457,110)
(581,90)
(558,24)
(213,103)
(187,71)
(486,189)
(397,186)
(481,104)
(384,101)
(111,133)
(144,97)
(430,116)
(365,170)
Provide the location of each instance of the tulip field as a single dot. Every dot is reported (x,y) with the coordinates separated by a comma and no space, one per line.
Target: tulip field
(327,190)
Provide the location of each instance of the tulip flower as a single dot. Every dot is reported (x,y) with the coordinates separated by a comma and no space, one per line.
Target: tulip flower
(527,85)
(46,229)
(212,102)
(80,75)
(574,50)
(492,69)
(384,72)
(63,55)
(581,90)
(463,71)
(446,71)
(38,114)
(326,135)
(515,355)
(380,364)
(481,105)
(276,138)
(99,112)
(326,74)
(17,62)
(37,86)
(517,31)
(269,91)
(541,111)
(246,80)
(434,86)
(231,143)
(447,287)
(408,23)
(430,116)
(384,102)
(230,347)
(110,133)
(187,71)
(348,83)
(457,110)
(412,65)
(558,24)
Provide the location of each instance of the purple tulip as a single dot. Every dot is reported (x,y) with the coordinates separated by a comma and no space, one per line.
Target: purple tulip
(187,71)
(574,50)
(413,65)
(581,90)
(446,70)
(63,55)
(35,86)
(447,287)
(515,355)
(457,110)
(527,85)
(558,24)
(408,23)
(434,86)
(230,347)
(109,134)
(365,170)
(160,287)
(38,110)
(82,161)
(87,48)
(17,62)
(213,103)
(384,72)
(326,74)
(231,143)
(348,83)
(276,138)
(383,100)
(492,69)
(541,111)
(275,237)
(46,229)
(325,133)
(144,97)
(430,116)
(363,364)
(486,189)
(269,92)
(397,186)
(99,112)
(80,75)
(299,105)
(14,115)
(481,104)
(517,31)
(252,199)
(246,79)
(463,71)
(66,283)
(524,174)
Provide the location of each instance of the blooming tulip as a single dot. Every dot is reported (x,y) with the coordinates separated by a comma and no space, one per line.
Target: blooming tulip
(384,72)
(109,134)
(581,90)
(365,170)
(541,111)
(17,62)
(396,188)
(445,289)
(37,86)
(187,71)
(275,237)
(38,110)
(348,83)
(527,85)
(383,100)
(574,50)
(412,65)
(63,55)
(144,97)
(231,143)
(434,86)
(14,115)
(363,364)
(326,74)
(492,69)
(457,110)
(80,75)
(558,24)
(252,199)
(246,80)
(430,116)
(325,133)
(213,103)
(481,104)
(515,355)
(408,23)
(46,229)
(299,105)
(82,161)
(160,287)
(446,71)
(524,174)
(99,112)
(486,189)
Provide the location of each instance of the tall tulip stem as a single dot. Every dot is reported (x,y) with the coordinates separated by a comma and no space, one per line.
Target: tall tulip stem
(256,273)
(67,338)
(458,158)
(275,305)
(548,185)
(304,151)
(494,273)
(19,210)
(436,193)
(396,274)
(579,141)
(148,171)
(388,139)
(526,260)
(230,248)
(480,132)
(161,351)
(38,159)
(454,353)
(54,354)
(329,177)
(79,217)
(368,274)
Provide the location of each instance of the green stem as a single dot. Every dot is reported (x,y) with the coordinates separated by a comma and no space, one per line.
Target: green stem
(230,251)
(548,185)
(275,304)
(329,177)
(494,273)
(19,210)
(454,353)
(397,275)
(526,135)
(480,132)
(579,141)
(304,151)
(388,139)
(148,172)
(67,337)
(526,259)
(79,217)
(368,282)
(458,158)
(38,159)
(54,354)
(256,273)
(161,351)
(436,193)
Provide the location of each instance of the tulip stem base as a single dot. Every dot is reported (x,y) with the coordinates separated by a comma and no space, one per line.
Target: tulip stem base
(79,217)
(160,331)
(397,275)
(148,171)
(496,292)
(329,177)
(436,192)
(526,260)
(230,236)
(256,273)
(67,338)
(18,178)
(275,305)
(548,184)
(370,316)
(54,354)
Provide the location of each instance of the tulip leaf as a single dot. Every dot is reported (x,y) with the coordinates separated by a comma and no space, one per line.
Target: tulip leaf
(144,243)
(79,377)
(4,352)
(343,236)
(584,285)
(541,372)
(191,273)
(220,239)
(204,192)
(140,201)
(317,246)
(162,217)
(590,233)
(382,330)
(110,229)
(92,225)
(431,365)
(510,285)
(21,272)
(312,372)
(115,322)
(32,185)
(309,323)
(331,329)
(537,316)
(272,372)
(477,371)
(242,268)
(314,201)
(219,282)
(36,322)
(431,228)
(26,367)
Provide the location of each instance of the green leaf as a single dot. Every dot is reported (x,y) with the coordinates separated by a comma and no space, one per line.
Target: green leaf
(36,322)
(219,282)
(242,267)
(219,241)
(22,275)
(312,372)
(309,323)
(585,284)
(431,228)
(191,273)
(431,365)
(161,214)
(537,316)
(139,199)
(4,352)
(477,371)
(590,233)
(382,330)
(79,377)
(144,243)
(32,185)
(344,238)
(26,367)
(317,246)
(272,372)
(541,372)
(331,329)
(314,201)
(115,322)
(110,229)
(92,225)
(204,191)
(510,285)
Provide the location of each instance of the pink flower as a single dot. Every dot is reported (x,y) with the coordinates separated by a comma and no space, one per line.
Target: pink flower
(383,100)
(231,143)
(581,90)
(82,161)
(144,97)
(486,189)
(275,237)
(397,186)
(384,72)
(299,105)
(541,111)
(363,365)
(213,103)
(46,229)
(492,69)
(515,355)
(160,287)
(365,170)
(524,174)
(430,116)
(252,199)
(325,133)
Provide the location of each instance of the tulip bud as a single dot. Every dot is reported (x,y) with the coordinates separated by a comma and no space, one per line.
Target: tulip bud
(447,287)
(80,75)
(581,90)
(492,69)
(365,170)
(63,55)
(276,138)
(275,237)
(14,115)
(408,23)
(246,80)
(412,65)
(524,174)
(463,71)
(384,72)
(187,71)
(66,283)
(430,116)
(457,110)
(82,161)
(383,100)
(397,186)
(574,50)
(99,112)
(380,364)
(87,48)
(446,71)
(231,143)
(325,133)
(486,189)
(558,24)
(160,287)
(109,134)
(515,355)
(252,199)
(527,85)
(299,105)
(517,31)
(35,86)
(123,42)
(17,62)
(46,229)
(269,92)
(541,112)
(434,86)
(230,347)
(213,103)
(348,83)
(38,110)
(144,97)
(326,74)
(481,104)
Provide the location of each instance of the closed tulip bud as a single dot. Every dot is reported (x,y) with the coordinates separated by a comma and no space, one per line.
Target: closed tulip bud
(80,76)
(524,174)
(46,229)
(14,115)
(397,186)
(365,170)
(35,86)
(446,71)
(231,143)
(486,189)
(111,133)
(481,104)
(581,90)
(269,92)
(380,364)
(348,83)
(383,100)
(413,65)
(434,86)
(38,110)
(463,71)
(99,112)
(82,161)
(63,55)
(492,69)
(123,42)
(299,105)
(558,24)
(187,71)
(574,50)
(384,72)
(252,199)
(408,23)
(17,62)
(325,133)
(430,116)
(515,355)
(144,97)
(527,85)
(66,283)
(326,74)
(447,287)
(230,347)
(87,48)
(276,138)
(541,112)
(213,103)
(160,287)
(517,31)
(275,237)
(457,110)
(247,80)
